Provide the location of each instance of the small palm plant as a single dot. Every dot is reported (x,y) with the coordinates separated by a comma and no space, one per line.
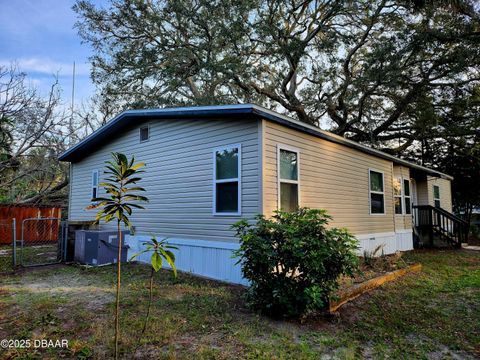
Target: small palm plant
(122,174)
(160,250)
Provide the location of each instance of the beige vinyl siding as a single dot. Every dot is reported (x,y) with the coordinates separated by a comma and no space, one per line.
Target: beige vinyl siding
(179,176)
(332,177)
(445,192)
(403,222)
(425,192)
(422,192)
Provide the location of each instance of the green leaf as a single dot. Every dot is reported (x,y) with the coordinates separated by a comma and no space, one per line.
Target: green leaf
(170,257)
(132,180)
(137,165)
(134,256)
(156,261)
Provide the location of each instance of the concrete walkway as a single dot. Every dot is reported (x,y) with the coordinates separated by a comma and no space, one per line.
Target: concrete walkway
(470,247)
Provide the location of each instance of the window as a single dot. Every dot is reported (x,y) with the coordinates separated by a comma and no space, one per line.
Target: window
(144,133)
(406,196)
(288,179)
(436,195)
(397,193)
(95,179)
(226,199)
(377,194)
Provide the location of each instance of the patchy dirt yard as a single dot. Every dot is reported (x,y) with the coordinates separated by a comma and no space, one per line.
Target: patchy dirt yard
(431,315)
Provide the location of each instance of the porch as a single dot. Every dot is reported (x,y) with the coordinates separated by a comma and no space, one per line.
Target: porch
(434,224)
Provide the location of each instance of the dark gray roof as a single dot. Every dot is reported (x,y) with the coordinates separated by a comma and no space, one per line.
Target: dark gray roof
(128,118)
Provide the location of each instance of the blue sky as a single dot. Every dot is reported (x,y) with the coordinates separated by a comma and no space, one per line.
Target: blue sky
(39,36)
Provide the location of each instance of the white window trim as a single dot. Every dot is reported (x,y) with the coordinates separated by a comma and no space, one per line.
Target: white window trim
(279,181)
(93,186)
(140,133)
(376,192)
(238,179)
(402,202)
(405,196)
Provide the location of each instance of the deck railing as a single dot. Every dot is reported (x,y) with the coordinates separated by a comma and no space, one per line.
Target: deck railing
(439,222)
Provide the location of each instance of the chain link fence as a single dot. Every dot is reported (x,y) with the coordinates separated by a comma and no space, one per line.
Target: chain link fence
(7,236)
(41,241)
(34,241)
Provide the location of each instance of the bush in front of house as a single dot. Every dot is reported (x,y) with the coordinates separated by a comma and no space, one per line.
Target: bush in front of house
(293,261)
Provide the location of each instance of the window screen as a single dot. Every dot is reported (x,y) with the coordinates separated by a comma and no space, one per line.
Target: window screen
(436,195)
(397,193)
(377,195)
(227,180)
(406,196)
(288,181)
(144,133)
(95,180)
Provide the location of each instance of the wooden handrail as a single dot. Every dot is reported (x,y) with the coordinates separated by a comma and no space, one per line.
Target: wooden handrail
(443,212)
(441,222)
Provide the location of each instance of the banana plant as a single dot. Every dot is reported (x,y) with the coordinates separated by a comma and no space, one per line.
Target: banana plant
(160,251)
(123,198)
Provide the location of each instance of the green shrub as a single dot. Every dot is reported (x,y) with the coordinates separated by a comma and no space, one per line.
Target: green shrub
(293,261)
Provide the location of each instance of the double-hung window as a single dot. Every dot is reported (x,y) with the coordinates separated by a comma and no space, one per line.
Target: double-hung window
(377,192)
(401,194)
(95,180)
(407,197)
(397,193)
(436,196)
(288,179)
(227,183)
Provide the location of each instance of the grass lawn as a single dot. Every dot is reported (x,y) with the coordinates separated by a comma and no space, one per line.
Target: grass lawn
(6,265)
(45,253)
(434,314)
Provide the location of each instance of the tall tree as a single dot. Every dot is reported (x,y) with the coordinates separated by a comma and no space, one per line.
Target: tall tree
(361,68)
(33,132)
(455,146)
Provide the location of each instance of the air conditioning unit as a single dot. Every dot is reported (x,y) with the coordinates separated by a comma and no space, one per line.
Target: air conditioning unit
(98,247)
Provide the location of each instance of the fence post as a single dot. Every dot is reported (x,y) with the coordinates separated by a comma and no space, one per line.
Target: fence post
(430,229)
(14,243)
(65,240)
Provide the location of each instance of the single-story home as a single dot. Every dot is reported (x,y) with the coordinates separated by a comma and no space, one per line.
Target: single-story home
(210,166)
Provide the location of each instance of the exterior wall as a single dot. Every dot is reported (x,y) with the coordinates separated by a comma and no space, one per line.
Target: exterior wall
(178,177)
(445,192)
(179,183)
(332,177)
(425,192)
(422,192)
(403,222)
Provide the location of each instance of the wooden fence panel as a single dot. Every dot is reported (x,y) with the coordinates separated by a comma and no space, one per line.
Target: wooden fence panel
(20,213)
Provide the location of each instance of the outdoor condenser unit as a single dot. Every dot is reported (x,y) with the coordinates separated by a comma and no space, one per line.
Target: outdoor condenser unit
(97,247)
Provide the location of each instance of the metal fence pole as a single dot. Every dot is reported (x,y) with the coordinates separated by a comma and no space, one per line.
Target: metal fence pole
(65,240)
(22,243)
(14,243)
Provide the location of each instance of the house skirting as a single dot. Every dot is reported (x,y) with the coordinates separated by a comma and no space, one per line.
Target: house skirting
(404,239)
(210,259)
(213,259)
(391,242)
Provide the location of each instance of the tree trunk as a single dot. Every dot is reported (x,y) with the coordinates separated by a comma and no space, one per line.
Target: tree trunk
(117,301)
(147,317)
(149,301)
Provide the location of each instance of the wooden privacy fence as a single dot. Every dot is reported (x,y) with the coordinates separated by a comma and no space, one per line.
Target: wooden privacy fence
(47,232)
